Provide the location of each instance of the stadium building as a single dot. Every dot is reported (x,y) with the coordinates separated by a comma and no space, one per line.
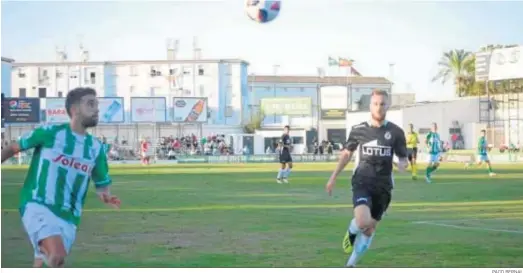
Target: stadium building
(314,107)
(222,82)
(6,76)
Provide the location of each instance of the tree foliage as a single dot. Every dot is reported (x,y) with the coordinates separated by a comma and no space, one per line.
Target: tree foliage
(254,124)
(458,65)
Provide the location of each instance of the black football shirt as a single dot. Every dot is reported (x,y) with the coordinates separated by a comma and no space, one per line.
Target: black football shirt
(286,141)
(376,147)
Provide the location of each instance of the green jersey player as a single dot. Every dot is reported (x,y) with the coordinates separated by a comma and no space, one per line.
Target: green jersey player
(433,142)
(482,155)
(65,158)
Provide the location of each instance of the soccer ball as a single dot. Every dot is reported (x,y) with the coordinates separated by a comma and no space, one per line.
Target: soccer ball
(262,11)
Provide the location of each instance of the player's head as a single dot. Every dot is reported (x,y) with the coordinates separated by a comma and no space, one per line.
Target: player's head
(434,127)
(286,129)
(379,103)
(411,127)
(483,132)
(82,106)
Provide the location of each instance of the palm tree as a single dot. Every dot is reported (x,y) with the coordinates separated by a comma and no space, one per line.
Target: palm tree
(459,65)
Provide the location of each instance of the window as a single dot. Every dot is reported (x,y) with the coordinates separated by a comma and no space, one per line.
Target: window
(229,111)
(172,71)
(59,74)
(60,94)
(132,71)
(21,73)
(44,73)
(42,92)
(22,92)
(201,71)
(155,71)
(297,140)
(92,77)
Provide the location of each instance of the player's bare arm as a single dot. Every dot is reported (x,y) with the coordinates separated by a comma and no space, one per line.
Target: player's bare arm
(104,194)
(9,151)
(345,156)
(400,149)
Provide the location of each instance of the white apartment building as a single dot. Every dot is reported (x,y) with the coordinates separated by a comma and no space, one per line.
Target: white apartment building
(221,81)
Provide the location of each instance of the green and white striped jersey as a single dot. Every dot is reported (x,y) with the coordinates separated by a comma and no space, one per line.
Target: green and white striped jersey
(62,165)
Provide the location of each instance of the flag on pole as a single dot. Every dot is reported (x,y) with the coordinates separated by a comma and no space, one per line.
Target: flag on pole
(345,62)
(354,72)
(333,62)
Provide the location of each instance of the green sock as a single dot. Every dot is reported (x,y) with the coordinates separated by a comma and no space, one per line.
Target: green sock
(429,170)
(489,169)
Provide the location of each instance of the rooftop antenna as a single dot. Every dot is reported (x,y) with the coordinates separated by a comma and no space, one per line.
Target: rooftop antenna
(61,55)
(172,46)
(197,52)
(84,54)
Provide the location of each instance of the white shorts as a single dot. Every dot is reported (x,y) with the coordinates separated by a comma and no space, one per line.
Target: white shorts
(482,158)
(433,158)
(40,223)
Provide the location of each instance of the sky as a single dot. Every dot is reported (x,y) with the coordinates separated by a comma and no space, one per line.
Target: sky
(412,35)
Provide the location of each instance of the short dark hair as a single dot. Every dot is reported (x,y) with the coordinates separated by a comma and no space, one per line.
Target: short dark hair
(484,131)
(75,96)
(287,127)
(380,92)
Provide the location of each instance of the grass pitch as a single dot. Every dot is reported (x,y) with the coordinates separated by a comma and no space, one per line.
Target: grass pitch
(237,216)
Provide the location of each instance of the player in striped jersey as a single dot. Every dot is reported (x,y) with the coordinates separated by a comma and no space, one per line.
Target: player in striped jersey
(65,158)
(433,142)
(482,153)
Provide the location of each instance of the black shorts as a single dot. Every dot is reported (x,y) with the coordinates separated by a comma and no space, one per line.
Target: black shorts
(412,153)
(285,157)
(376,193)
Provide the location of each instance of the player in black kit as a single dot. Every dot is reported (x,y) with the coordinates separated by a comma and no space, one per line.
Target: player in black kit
(375,143)
(285,157)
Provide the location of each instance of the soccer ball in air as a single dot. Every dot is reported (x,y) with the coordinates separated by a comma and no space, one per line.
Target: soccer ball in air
(262,11)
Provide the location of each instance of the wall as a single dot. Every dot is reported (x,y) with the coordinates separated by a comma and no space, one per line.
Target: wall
(6,78)
(59,80)
(259,91)
(110,84)
(443,113)
(223,88)
(297,148)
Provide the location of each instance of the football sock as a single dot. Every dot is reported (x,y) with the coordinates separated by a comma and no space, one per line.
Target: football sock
(431,169)
(361,245)
(280,173)
(414,169)
(286,173)
(353,228)
(489,168)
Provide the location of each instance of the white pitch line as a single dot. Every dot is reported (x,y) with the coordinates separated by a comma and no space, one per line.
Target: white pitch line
(463,227)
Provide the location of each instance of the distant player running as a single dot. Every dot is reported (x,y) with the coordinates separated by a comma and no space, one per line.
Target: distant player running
(482,153)
(433,142)
(372,182)
(285,157)
(65,158)
(412,150)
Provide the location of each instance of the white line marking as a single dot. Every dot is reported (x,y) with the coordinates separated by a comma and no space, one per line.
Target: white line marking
(463,227)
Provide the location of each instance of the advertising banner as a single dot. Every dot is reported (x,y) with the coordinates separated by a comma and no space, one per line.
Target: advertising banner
(111,110)
(18,110)
(148,109)
(506,64)
(299,106)
(55,110)
(334,114)
(192,110)
(334,97)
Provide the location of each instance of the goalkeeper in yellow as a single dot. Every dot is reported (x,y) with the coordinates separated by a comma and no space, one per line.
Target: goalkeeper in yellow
(412,149)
